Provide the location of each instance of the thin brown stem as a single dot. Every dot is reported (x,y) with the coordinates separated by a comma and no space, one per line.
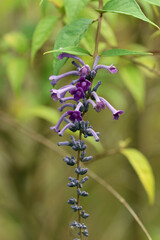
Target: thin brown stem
(157,72)
(98,30)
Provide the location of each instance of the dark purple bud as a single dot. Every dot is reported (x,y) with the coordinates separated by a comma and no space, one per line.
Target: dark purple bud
(84,215)
(72,200)
(83,83)
(85,233)
(74,115)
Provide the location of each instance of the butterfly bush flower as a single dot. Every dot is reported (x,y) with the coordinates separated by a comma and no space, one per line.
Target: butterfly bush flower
(80,97)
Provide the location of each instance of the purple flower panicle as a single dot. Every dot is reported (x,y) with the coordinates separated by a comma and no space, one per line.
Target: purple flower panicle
(80,89)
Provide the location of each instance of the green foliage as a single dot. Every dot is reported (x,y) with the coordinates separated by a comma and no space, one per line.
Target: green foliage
(143,169)
(41,33)
(154,2)
(135,83)
(71,50)
(70,35)
(16,71)
(122,52)
(16,41)
(128,7)
(74,7)
(46,113)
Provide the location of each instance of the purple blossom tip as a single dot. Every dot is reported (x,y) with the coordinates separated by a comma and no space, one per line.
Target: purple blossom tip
(74,115)
(55,129)
(116,114)
(62,55)
(112,69)
(84,71)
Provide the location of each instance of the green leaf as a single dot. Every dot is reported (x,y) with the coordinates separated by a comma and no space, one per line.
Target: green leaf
(47,113)
(16,70)
(122,52)
(73,8)
(135,83)
(41,33)
(143,169)
(70,35)
(17,41)
(154,2)
(58,3)
(128,7)
(71,50)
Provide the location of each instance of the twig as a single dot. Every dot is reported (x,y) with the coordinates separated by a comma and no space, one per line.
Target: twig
(120,199)
(32,134)
(98,30)
(144,66)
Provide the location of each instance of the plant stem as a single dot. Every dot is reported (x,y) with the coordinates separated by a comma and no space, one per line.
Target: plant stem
(98,30)
(78,197)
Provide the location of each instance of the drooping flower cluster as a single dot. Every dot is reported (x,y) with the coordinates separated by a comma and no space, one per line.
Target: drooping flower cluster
(82,96)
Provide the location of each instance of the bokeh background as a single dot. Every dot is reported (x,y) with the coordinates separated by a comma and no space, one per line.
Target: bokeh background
(33,177)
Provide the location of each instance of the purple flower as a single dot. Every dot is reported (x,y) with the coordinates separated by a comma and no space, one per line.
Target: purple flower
(115,112)
(84,71)
(64,129)
(111,68)
(83,83)
(99,103)
(62,55)
(56,128)
(54,79)
(74,115)
(78,93)
(60,93)
(99,106)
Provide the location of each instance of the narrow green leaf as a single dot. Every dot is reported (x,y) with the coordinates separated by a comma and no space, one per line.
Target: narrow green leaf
(41,33)
(135,83)
(122,52)
(143,169)
(128,7)
(71,50)
(47,113)
(16,70)
(154,2)
(17,41)
(73,8)
(70,35)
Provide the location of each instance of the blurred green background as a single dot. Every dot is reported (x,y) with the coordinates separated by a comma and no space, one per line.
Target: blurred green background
(33,177)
